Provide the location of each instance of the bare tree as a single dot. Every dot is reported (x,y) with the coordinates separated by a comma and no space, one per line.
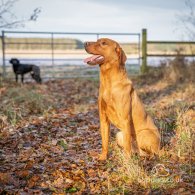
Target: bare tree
(9,20)
(188,19)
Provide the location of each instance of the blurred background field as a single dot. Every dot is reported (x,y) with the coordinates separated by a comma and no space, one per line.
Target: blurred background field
(60,57)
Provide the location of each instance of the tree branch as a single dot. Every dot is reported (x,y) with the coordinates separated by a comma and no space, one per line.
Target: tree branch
(188,20)
(9,20)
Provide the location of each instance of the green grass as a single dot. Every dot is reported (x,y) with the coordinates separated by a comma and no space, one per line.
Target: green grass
(132,174)
(63,144)
(19,102)
(184,133)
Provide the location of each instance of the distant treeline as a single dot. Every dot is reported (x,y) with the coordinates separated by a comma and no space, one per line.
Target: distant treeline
(42,43)
(71,43)
(58,44)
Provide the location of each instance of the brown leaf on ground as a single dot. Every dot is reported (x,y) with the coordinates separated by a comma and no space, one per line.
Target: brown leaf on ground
(5,178)
(23,173)
(33,181)
(56,150)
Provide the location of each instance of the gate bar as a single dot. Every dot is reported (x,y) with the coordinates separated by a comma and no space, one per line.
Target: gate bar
(73,33)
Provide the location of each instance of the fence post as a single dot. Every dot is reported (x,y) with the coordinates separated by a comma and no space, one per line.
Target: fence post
(3,53)
(144,67)
(52,53)
(139,49)
(52,49)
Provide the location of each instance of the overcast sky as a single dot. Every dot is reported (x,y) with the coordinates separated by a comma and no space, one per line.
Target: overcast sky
(158,16)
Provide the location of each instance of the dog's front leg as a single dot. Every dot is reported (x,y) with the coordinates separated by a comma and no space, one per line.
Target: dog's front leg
(127,137)
(124,112)
(16,75)
(104,129)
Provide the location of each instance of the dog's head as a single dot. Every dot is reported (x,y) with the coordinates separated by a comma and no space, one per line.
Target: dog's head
(36,77)
(14,61)
(104,50)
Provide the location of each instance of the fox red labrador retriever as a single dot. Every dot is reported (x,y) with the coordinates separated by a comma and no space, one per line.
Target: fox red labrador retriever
(119,103)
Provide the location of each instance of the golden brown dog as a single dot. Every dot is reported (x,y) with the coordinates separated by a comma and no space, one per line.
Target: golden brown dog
(119,103)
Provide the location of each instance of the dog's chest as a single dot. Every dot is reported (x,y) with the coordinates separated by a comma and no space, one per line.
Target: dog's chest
(107,97)
(110,108)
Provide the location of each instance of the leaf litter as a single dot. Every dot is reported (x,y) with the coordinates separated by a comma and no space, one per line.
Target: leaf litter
(56,151)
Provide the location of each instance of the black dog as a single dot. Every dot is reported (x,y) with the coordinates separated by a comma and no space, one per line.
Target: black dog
(21,69)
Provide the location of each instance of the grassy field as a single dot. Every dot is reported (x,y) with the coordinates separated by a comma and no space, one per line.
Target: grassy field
(16,46)
(49,138)
(41,43)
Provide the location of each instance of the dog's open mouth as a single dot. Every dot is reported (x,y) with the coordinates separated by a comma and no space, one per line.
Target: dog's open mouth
(94,59)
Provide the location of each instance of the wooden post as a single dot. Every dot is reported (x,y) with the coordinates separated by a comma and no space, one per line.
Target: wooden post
(144,67)
(3,53)
(52,49)
(52,53)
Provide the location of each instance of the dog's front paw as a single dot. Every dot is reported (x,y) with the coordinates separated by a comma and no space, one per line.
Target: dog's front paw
(102,157)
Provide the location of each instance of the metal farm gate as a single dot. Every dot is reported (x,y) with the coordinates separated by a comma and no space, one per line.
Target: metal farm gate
(59,54)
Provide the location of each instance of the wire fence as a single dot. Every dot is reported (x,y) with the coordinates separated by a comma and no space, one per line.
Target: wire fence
(161,51)
(61,54)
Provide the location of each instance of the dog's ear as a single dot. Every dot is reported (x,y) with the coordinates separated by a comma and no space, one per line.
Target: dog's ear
(14,61)
(121,55)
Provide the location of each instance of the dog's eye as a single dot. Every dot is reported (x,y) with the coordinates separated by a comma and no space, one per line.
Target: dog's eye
(104,43)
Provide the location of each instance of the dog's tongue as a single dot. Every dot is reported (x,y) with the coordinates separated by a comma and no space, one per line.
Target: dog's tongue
(95,59)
